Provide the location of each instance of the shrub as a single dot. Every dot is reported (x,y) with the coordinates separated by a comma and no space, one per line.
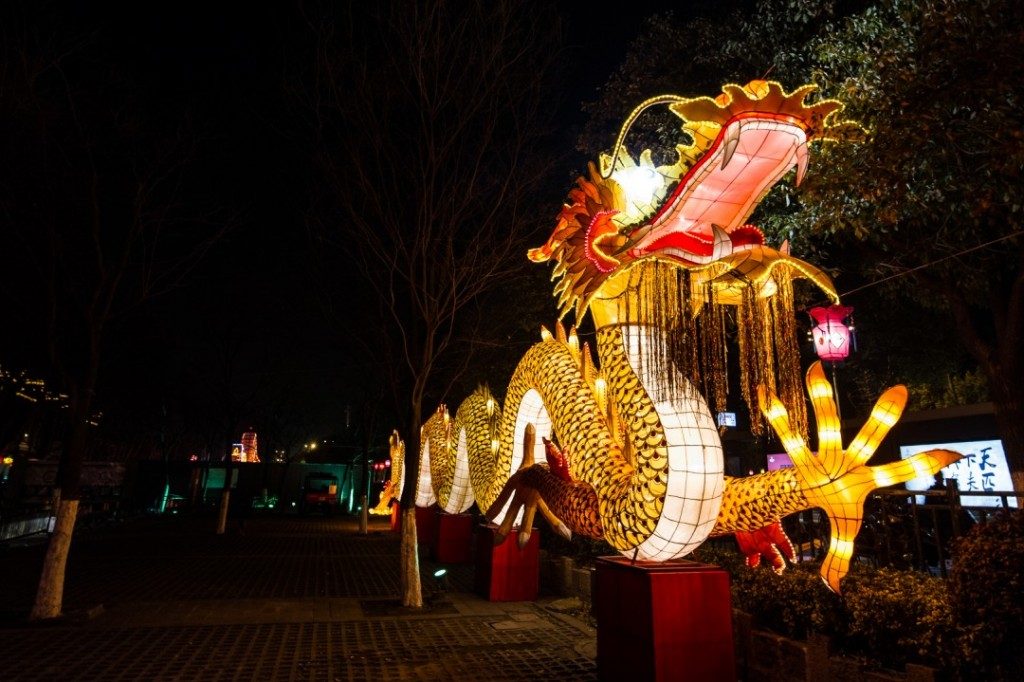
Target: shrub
(896,616)
(970,625)
(987,595)
(795,604)
(582,550)
(888,615)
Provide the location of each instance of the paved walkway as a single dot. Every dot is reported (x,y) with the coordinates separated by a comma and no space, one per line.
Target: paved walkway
(292,599)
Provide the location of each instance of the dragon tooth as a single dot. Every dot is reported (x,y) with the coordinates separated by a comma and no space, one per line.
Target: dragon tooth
(723,243)
(801,163)
(729,144)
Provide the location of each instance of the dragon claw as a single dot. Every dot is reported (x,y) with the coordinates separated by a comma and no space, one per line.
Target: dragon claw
(770,542)
(524,538)
(563,530)
(839,480)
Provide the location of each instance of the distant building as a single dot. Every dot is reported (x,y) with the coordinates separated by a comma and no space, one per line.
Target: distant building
(250,452)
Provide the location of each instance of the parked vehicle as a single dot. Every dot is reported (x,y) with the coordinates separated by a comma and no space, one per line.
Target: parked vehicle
(319,493)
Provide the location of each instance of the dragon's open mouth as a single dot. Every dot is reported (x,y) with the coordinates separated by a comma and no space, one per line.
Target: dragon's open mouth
(691,213)
(721,190)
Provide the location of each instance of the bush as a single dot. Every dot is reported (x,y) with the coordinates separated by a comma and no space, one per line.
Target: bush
(795,604)
(582,550)
(987,595)
(897,616)
(970,625)
(888,615)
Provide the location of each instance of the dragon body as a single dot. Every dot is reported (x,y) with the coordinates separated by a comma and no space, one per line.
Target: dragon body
(660,257)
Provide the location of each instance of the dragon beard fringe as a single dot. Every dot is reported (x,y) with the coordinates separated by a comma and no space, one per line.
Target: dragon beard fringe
(696,342)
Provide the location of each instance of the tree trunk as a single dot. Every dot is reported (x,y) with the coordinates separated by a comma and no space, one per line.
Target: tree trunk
(225,496)
(1002,364)
(1008,397)
(412,590)
(50,595)
(222,516)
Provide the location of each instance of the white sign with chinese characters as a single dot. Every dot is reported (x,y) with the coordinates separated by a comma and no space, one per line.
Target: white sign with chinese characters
(983,468)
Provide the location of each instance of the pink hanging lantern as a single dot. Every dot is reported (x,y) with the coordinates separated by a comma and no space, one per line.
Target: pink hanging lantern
(832,338)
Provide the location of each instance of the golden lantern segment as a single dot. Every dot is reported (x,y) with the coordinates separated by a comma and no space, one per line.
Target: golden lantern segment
(433,444)
(662,259)
(383,507)
(392,491)
(601,393)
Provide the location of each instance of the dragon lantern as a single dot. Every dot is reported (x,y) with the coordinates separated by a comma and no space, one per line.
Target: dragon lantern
(392,491)
(660,257)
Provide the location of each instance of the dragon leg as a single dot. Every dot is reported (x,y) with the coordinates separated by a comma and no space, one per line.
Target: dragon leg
(572,505)
(526,496)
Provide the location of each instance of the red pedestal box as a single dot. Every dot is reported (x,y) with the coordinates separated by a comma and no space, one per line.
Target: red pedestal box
(505,572)
(663,621)
(396,518)
(453,543)
(426,525)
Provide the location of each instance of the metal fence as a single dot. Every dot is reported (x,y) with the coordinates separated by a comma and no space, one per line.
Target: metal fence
(904,528)
(22,524)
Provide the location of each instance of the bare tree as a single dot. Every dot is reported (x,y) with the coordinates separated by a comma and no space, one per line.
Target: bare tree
(428,120)
(92,225)
(232,395)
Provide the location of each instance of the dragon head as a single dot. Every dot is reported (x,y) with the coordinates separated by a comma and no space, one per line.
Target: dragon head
(691,214)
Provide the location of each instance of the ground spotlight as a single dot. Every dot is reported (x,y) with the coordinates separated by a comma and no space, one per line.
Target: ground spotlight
(441,581)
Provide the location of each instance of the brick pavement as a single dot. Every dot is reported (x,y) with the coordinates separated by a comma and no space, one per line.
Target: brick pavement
(292,599)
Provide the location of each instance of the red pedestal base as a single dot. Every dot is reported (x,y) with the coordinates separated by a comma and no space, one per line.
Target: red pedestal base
(426,525)
(396,518)
(453,543)
(505,572)
(663,621)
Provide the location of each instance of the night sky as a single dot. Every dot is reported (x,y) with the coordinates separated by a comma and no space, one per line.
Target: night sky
(225,67)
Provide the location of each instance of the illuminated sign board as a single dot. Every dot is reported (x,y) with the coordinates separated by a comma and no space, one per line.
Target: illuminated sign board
(779,460)
(983,468)
(727,419)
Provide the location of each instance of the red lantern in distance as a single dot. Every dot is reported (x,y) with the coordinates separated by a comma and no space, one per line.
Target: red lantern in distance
(832,338)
